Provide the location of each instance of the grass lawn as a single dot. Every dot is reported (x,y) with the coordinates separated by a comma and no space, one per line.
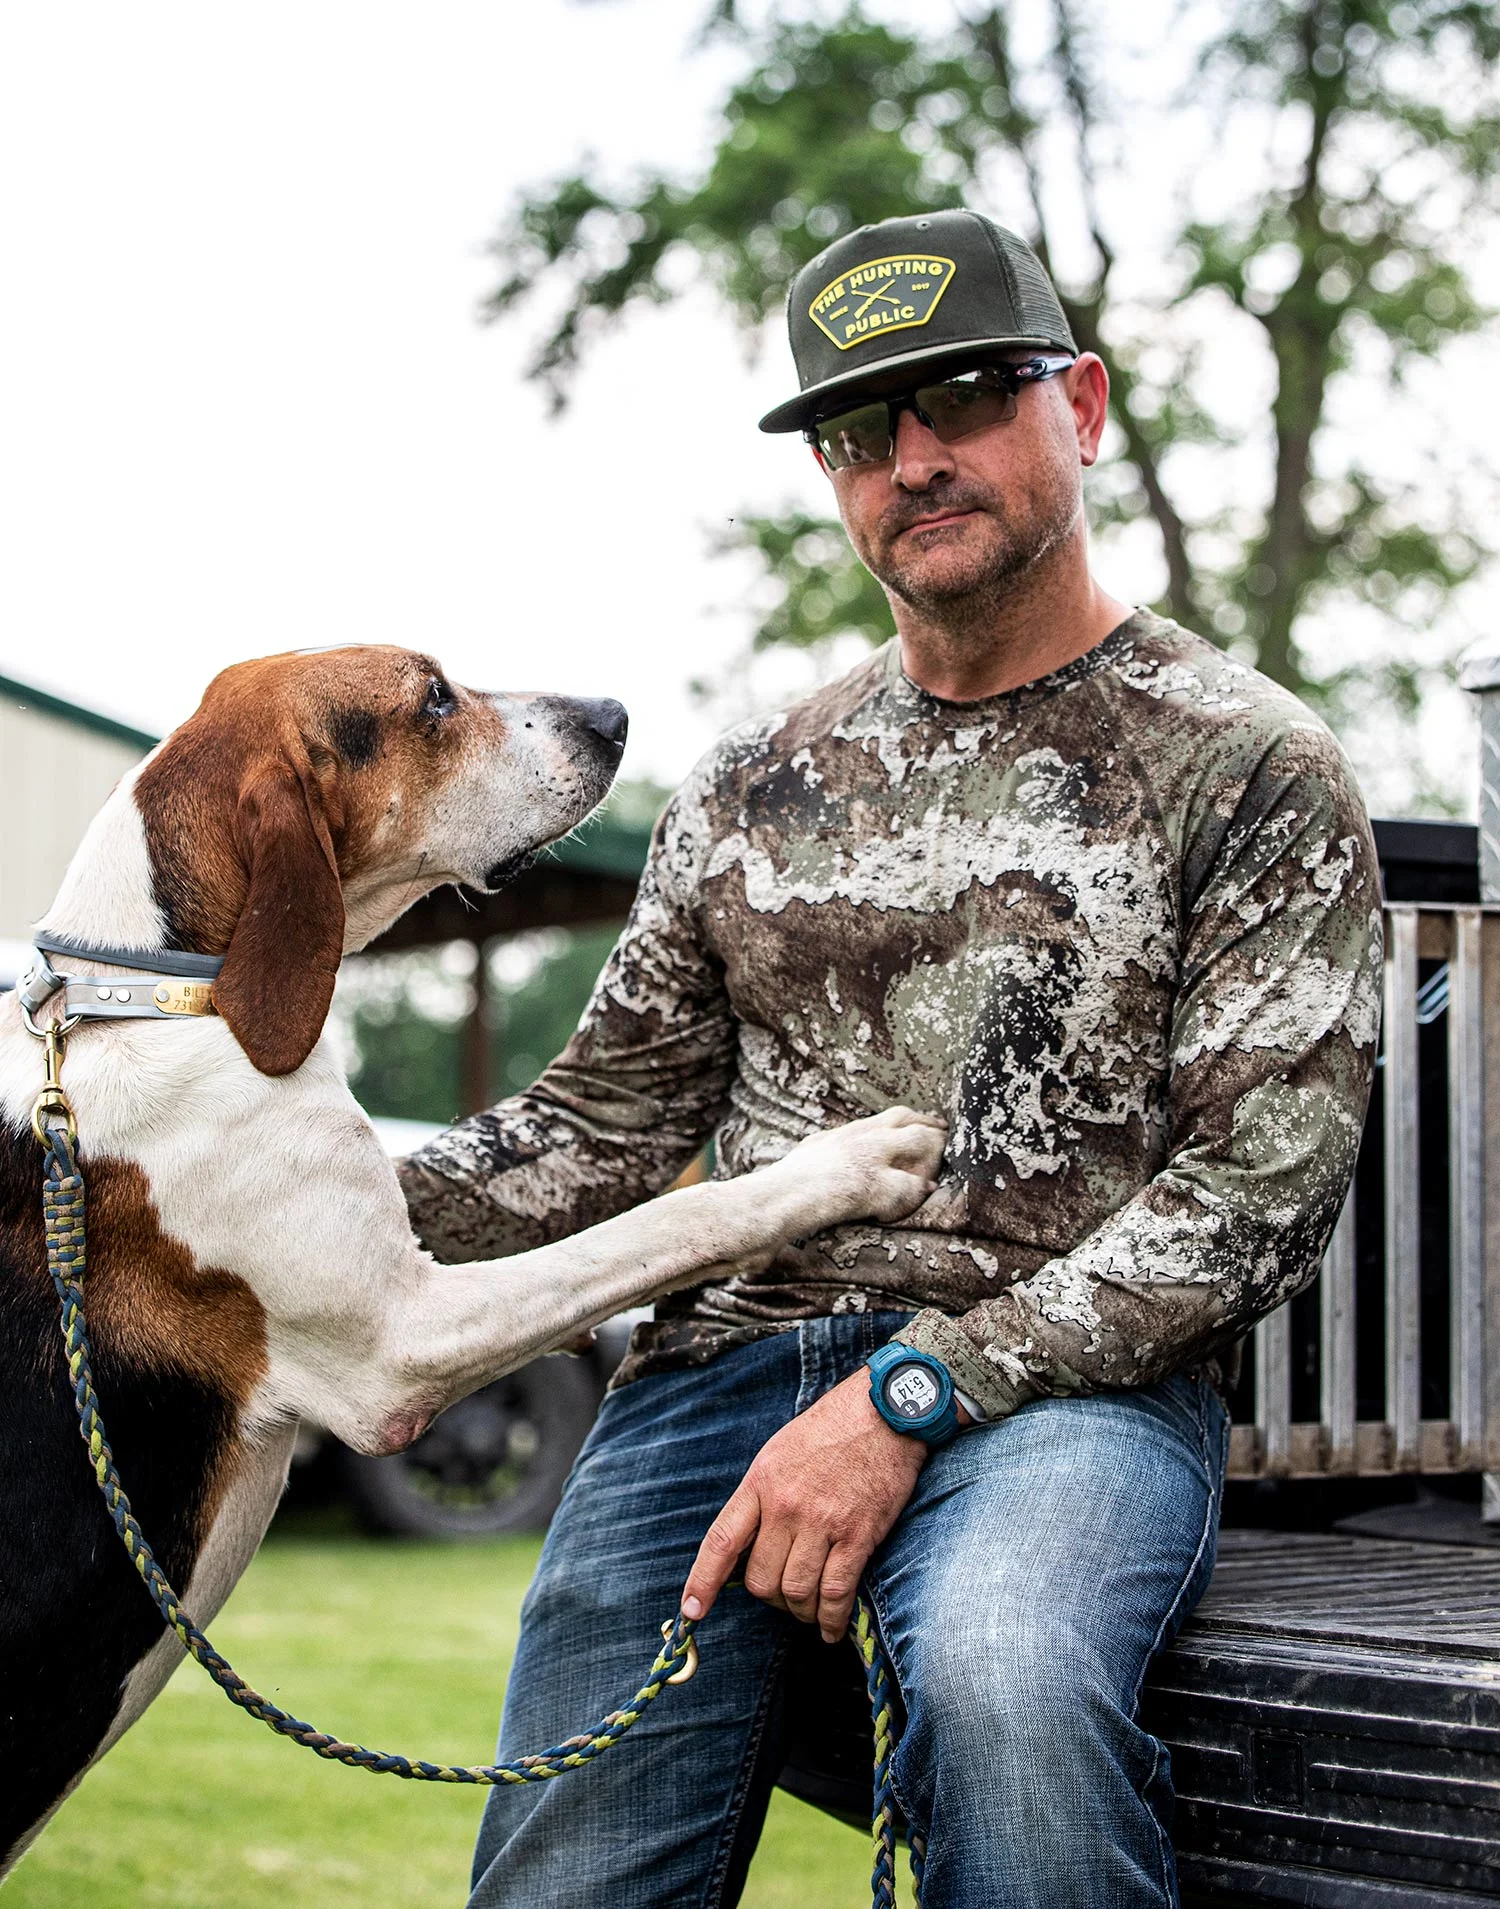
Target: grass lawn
(398,1645)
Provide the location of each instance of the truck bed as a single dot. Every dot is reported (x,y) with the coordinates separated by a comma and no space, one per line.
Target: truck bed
(1333,1711)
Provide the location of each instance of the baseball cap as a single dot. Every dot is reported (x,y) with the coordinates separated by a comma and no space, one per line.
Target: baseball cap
(909,292)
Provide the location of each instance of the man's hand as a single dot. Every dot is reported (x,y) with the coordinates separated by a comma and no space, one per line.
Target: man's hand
(821,1494)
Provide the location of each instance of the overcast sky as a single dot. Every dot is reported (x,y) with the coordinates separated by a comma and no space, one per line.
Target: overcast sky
(244,401)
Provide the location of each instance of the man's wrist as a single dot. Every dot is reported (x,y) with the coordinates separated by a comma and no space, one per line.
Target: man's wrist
(899,1444)
(996,1389)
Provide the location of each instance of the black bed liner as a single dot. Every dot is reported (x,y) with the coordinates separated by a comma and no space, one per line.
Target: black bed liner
(1333,1711)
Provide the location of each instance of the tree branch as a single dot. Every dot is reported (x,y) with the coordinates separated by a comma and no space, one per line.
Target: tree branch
(1084,314)
(1301,328)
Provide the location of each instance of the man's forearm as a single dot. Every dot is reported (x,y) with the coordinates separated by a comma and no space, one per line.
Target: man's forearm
(1147,1296)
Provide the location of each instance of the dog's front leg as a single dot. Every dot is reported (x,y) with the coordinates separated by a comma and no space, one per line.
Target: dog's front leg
(459,1327)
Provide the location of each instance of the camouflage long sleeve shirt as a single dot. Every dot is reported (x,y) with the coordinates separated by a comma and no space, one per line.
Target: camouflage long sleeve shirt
(1121,927)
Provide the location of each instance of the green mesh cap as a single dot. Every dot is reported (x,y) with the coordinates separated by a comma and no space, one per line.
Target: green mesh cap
(907,292)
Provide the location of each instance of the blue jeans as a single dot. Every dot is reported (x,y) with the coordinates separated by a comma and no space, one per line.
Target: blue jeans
(1039,1566)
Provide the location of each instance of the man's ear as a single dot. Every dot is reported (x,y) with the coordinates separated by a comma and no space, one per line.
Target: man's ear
(279,970)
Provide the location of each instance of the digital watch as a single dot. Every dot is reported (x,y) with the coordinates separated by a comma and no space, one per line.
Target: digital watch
(913,1393)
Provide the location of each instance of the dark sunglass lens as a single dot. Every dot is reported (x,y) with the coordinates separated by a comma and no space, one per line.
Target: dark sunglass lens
(962,405)
(856,437)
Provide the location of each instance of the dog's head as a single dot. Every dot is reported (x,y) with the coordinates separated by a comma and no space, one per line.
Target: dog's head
(313,797)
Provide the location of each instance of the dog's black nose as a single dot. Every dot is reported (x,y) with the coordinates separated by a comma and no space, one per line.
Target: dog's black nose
(605,717)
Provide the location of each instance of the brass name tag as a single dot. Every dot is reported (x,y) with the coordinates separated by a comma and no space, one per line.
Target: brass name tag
(184,997)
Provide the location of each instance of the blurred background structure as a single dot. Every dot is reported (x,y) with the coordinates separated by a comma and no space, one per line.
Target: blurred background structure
(58,761)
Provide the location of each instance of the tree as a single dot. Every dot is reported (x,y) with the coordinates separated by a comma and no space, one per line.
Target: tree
(1339,258)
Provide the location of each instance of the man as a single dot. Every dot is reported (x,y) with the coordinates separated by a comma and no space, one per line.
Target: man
(1107,901)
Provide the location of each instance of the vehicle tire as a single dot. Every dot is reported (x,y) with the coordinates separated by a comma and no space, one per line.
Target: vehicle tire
(494,1462)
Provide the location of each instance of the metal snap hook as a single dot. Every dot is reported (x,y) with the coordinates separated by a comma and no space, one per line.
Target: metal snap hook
(52,1100)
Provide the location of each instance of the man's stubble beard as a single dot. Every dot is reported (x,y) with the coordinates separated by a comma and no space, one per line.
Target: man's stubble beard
(970,594)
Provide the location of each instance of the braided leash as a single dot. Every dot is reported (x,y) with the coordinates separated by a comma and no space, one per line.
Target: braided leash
(883,1816)
(66,1236)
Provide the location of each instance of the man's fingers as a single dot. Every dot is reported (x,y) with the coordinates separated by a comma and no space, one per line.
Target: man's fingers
(767,1562)
(726,1538)
(836,1594)
(802,1574)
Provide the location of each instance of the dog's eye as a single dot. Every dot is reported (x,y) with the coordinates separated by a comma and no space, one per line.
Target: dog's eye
(439,701)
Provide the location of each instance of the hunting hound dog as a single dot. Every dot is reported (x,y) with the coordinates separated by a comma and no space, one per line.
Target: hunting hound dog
(250,1260)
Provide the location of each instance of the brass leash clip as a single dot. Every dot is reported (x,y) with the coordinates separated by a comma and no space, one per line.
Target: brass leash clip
(52,1100)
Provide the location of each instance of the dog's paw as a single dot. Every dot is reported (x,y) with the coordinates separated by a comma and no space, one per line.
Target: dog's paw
(880,1168)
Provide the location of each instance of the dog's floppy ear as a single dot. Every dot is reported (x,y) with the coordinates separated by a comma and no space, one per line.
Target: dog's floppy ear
(279,970)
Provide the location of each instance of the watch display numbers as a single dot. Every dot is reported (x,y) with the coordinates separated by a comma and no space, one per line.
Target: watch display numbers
(912,1391)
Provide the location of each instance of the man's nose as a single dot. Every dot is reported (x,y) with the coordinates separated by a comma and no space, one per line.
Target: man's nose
(920,455)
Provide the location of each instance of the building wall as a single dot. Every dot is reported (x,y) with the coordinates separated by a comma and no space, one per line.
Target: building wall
(54,777)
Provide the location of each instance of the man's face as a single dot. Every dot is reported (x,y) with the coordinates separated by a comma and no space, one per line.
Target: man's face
(938,523)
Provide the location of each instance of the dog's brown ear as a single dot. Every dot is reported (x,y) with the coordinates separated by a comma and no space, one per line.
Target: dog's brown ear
(279,970)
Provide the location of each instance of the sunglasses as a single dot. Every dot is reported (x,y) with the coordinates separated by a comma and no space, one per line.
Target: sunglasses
(951,409)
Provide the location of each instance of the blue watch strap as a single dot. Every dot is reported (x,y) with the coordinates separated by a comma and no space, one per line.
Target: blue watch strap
(913,1393)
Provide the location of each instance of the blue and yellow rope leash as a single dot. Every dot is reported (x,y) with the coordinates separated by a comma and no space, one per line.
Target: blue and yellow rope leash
(883,1816)
(66,1235)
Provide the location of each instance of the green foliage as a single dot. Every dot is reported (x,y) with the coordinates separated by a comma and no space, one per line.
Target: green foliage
(1341,256)
(806,151)
(1399,148)
(825,591)
(534,1019)
(408,1067)
(406,1020)
(405,1024)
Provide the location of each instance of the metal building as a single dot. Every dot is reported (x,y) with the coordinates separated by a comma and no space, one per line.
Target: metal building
(58,761)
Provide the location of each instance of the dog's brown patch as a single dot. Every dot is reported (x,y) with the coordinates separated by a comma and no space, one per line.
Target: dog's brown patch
(152,1304)
(152,1309)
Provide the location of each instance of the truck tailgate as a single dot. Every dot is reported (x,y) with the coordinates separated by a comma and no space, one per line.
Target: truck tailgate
(1333,1712)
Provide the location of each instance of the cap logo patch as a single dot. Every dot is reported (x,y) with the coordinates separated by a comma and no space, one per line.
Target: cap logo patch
(889,294)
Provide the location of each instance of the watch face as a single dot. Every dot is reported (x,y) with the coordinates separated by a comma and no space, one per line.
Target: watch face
(912,1391)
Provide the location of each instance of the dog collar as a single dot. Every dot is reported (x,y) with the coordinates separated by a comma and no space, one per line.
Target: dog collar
(164,986)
